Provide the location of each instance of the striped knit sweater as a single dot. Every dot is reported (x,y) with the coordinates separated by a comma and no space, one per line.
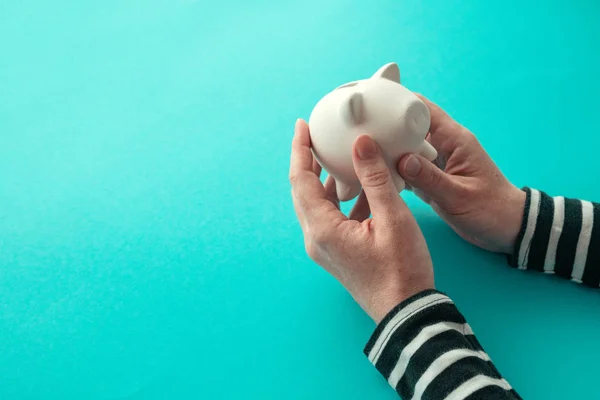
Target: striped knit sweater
(425,348)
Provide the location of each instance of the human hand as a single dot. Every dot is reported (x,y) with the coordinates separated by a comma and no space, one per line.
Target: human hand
(382,260)
(464,186)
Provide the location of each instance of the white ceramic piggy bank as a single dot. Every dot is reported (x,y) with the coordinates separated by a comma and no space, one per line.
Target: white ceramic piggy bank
(379,106)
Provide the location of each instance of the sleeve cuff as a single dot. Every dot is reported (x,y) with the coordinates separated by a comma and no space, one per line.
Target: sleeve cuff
(396,316)
(424,348)
(558,236)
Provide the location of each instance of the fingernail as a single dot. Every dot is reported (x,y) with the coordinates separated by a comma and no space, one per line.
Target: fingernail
(366,148)
(412,166)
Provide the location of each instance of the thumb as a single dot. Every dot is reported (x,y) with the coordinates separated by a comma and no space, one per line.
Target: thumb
(376,180)
(426,178)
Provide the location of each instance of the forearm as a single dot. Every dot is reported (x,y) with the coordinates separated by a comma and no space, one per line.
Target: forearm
(559,236)
(426,350)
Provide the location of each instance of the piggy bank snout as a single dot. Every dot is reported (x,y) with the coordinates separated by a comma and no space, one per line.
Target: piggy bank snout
(417,117)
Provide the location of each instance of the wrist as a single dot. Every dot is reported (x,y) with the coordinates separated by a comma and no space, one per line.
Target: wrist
(380,301)
(511,219)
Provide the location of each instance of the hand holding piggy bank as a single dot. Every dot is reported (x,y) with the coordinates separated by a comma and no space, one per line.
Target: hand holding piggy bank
(380,107)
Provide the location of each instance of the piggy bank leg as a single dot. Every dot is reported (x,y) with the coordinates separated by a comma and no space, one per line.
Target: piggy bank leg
(346,192)
(398,180)
(428,151)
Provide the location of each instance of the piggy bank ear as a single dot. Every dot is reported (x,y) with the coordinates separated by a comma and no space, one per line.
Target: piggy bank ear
(389,71)
(352,109)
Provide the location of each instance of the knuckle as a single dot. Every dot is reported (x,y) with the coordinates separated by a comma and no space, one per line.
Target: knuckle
(293,177)
(311,249)
(320,236)
(376,177)
(470,138)
(433,178)
(296,177)
(321,239)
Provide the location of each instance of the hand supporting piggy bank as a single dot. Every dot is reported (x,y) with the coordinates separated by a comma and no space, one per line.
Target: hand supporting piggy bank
(378,106)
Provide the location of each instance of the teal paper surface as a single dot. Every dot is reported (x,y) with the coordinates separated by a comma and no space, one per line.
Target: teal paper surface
(148,244)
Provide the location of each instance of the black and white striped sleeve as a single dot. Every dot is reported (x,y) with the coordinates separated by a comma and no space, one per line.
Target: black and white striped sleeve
(425,349)
(559,236)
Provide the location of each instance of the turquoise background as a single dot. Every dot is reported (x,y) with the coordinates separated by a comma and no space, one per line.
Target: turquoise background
(148,245)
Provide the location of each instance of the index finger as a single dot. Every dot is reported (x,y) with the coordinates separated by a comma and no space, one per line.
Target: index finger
(439,117)
(445,132)
(309,194)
